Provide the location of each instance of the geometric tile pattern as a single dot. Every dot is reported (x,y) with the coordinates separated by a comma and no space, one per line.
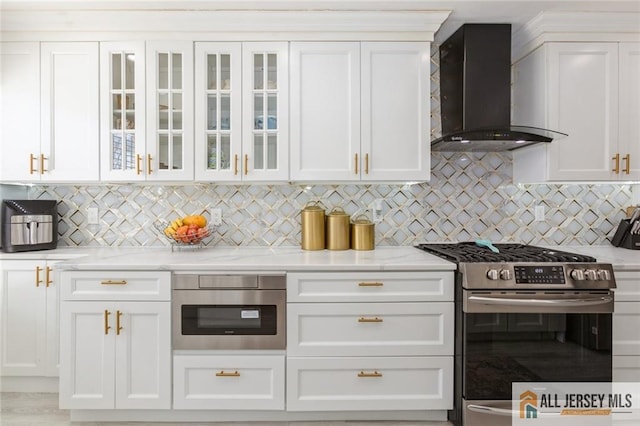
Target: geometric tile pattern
(470,195)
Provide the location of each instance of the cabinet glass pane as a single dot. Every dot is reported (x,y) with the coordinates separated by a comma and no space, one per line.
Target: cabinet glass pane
(258,71)
(163,71)
(212,72)
(272,110)
(116,151)
(176,67)
(130,150)
(212,112)
(272,152)
(272,66)
(225,72)
(225,112)
(258,111)
(177,152)
(116,71)
(130,71)
(258,152)
(131,120)
(176,107)
(225,152)
(163,151)
(130,101)
(117,112)
(163,111)
(212,152)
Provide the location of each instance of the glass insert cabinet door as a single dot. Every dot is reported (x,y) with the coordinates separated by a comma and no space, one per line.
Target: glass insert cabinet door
(122,94)
(218,89)
(265,111)
(169,111)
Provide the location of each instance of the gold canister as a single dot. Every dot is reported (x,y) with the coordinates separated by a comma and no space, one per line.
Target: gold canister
(313,226)
(362,234)
(338,229)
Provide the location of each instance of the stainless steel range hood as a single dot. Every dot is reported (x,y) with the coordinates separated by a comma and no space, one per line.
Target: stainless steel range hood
(475,93)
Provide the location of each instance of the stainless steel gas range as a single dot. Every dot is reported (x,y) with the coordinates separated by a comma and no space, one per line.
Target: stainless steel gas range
(524,314)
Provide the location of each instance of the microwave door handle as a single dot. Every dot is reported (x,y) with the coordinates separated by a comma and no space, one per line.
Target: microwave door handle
(490,410)
(561,303)
(33,231)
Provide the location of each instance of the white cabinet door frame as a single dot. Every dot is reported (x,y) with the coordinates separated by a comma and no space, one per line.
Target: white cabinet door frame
(629,110)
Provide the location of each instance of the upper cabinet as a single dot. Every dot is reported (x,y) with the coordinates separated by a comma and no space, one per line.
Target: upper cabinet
(359,111)
(241,110)
(53,137)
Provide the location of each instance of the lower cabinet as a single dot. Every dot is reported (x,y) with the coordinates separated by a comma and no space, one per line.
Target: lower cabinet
(369,383)
(212,382)
(626,327)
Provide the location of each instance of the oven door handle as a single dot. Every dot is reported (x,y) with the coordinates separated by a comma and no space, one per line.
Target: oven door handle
(490,410)
(561,303)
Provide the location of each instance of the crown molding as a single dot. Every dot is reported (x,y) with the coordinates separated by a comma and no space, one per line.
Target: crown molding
(575,26)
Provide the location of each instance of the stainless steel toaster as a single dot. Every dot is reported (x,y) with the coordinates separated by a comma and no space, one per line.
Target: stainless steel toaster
(29,225)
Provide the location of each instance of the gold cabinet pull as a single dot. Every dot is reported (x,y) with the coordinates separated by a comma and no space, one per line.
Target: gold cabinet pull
(366,164)
(47,277)
(148,164)
(31,159)
(374,374)
(42,169)
(113,282)
(616,161)
(235,165)
(106,321)
(374,319)
(246,164)
(38,280)
(627,166)
(138,159)
(118,326)
(222,373)
(356,162)
(370,284)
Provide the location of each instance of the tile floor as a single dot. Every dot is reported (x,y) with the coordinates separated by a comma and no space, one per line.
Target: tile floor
(41,409)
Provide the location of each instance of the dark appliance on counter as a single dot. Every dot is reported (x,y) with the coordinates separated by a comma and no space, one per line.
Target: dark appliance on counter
(29,225)
(524,314)
(475,93)
(219,311)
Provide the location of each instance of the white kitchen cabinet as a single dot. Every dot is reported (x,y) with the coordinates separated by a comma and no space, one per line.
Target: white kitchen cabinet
(122,112)
(589,91)
(359,111)
(228,382)
(242,111)
(626,327)
(115,346)
(169,111)
(50,112)
(28,318)
(369,383)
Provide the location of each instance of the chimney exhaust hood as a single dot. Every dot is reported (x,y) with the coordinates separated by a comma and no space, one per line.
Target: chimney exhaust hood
(475,93)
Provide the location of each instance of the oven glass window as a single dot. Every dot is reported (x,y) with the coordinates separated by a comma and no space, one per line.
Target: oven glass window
(229,320)
(526,347)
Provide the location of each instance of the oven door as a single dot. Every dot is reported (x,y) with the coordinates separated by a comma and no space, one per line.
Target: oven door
(229,319)
(530,337)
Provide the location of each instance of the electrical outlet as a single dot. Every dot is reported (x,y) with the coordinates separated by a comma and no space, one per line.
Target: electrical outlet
(216,216)
(539,213)
(376,208)
(92,216)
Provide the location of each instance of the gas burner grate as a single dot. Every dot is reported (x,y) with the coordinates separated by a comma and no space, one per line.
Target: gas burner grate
(470,252)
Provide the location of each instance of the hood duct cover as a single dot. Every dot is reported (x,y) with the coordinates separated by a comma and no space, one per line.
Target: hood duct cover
(475,93)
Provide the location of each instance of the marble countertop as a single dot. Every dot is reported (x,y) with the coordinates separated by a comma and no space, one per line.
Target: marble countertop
(278,258)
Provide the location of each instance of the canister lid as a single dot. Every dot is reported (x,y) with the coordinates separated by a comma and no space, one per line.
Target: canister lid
(362,220)
(313,206)
(337,211)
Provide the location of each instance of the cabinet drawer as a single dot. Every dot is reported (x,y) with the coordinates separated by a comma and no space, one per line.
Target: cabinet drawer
(436,286)
(228,382)
(115,285)
(626,328)
(627,286)
(626,369)
(370,329)
(369,383)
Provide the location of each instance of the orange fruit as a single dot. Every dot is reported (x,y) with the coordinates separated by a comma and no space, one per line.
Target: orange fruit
(198,220)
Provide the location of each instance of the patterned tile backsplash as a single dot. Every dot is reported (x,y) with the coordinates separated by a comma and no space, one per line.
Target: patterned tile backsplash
(470,195)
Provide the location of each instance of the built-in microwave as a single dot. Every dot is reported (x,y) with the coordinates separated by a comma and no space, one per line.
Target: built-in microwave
(220,311)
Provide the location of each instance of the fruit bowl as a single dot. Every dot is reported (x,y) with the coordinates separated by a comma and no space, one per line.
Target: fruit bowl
(180,235)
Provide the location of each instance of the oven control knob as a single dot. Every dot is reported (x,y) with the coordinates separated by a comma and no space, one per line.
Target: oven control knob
(591,274)
(604,275)
(505,274)
(577,274)
(493,274)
